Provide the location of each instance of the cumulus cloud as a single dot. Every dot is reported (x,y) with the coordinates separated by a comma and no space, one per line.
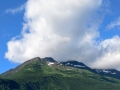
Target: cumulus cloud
(63,29)
(114,24)
(15,10)
(109,54)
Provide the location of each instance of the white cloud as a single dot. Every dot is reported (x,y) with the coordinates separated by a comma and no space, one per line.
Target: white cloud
(64,29)
(15,10)
(114,24)
(109,54)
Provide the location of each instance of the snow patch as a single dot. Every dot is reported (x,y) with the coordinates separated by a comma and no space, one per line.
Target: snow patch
(106,71)
(50,63)
(113,73)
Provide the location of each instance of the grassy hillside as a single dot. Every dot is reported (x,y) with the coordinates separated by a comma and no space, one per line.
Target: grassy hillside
(36,74)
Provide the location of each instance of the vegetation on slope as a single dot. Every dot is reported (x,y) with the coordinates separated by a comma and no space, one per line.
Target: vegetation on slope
(37,75)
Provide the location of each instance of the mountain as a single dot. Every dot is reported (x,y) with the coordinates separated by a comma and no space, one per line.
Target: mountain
(74,64)
(48,74)
(105,72)
(108,72)
(6,84)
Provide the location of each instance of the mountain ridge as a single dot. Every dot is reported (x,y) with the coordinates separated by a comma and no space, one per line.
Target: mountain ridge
(71,63)
(48,74)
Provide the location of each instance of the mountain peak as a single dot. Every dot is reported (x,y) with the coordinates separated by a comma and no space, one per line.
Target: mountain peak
(49,59)
(37,63)
(34,59)
(74,63)
(48,74)
(29,61)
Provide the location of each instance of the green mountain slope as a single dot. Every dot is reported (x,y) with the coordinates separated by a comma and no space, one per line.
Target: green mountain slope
(40,74)
(6,84)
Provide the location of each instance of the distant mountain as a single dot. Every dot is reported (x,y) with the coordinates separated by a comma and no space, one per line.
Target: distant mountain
(48,74)
(74,64)
(106,72)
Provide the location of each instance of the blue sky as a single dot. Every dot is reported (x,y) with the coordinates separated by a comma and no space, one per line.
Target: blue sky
(10,26)
(59,30)
(112,15)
